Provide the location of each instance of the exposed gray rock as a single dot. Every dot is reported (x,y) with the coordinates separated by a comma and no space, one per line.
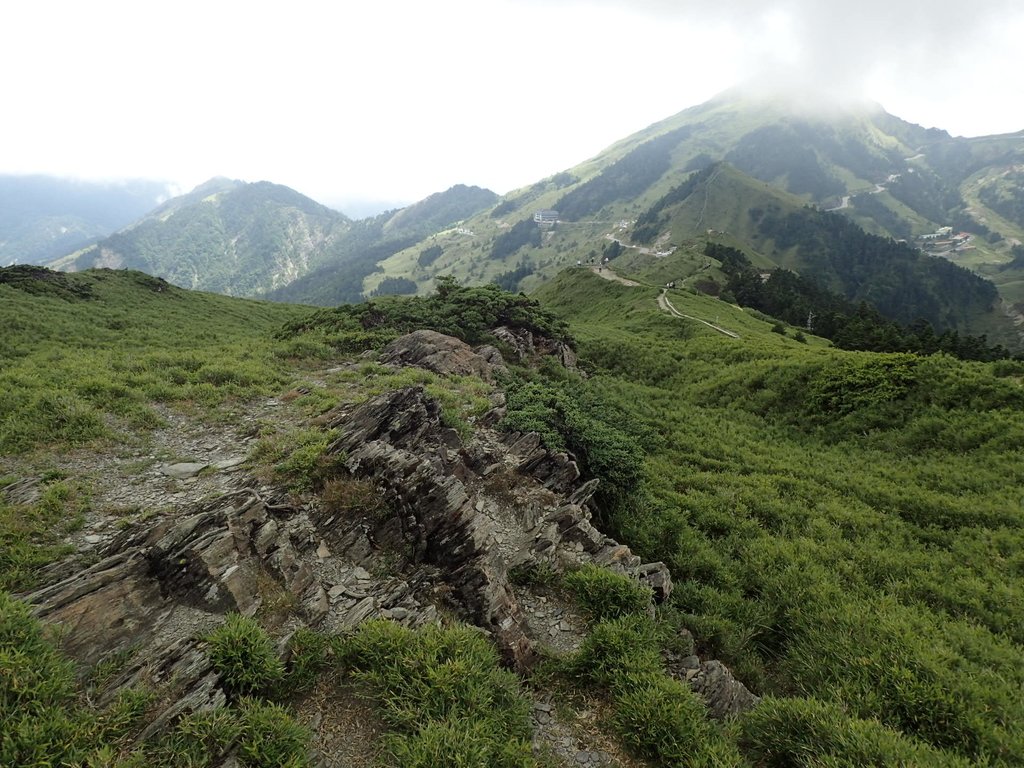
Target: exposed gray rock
(183,470)
(658,578)
(723,694)
(438,353)
(528,346)
(229,463)
(493,358)
(461,515)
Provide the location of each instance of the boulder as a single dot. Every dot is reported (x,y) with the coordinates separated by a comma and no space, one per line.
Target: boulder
(440,354)
(724,695)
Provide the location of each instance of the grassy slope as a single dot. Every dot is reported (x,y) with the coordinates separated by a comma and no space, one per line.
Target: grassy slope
(844,529)
(82,349)
(837,531)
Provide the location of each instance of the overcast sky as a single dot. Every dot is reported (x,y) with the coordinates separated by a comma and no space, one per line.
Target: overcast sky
(395,99)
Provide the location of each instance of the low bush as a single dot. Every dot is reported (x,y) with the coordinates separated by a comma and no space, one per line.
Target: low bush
(656,716)
(607,595)
(261,734)
(660,718)
(45,720)
(808,732)
(567,418)
(198,740)
(299,457)
(617,647)
(32,535)
(243,654)
(457,744)
(444,693)
(309,654)
(271,737)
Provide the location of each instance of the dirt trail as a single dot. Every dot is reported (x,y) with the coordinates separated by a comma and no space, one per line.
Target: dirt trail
(663,302)
(666,306)
(607,273)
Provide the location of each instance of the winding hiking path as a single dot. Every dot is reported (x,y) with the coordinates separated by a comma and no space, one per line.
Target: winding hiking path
(663,302)
(666,306)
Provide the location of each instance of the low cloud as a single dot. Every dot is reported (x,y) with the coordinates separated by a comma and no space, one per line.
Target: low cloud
(846,47)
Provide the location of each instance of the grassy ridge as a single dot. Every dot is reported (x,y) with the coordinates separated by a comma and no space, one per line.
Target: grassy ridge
(845,528)
(84,353)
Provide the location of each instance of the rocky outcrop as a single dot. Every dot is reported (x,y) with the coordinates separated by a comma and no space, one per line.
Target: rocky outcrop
(530,346)
(474,511)
(452,520)
(442,354)
(724,695)
(158,588)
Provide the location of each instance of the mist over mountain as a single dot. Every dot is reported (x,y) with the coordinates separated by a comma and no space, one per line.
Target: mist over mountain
(42,217)
(892,178)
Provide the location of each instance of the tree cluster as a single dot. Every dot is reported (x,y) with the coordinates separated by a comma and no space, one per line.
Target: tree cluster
(803,303)
(896,279)
(626,178)
(466,313)
(525,232)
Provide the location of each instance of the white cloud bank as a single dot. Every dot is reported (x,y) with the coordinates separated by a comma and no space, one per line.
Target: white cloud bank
(400,99)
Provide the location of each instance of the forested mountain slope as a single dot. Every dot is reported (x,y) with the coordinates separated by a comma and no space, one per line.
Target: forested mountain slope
(890,177)
(226,236)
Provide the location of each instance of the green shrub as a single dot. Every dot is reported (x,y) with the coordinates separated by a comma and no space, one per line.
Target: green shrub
(607,595)
(468,313)
(444,692)
(662,719)
(807,732)
(45,721)
(584,422)
(49,416)
(270,737)
(899,668)
(243,654)
(38,690)
(866,383)
(617,647)
(457,744)
(533,574)
(32,535)
(265,736)
(310,653)
(299,457)
(656,716)
(198,740)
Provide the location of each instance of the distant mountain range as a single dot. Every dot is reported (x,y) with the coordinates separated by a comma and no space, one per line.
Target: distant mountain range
(42,217)
(225,236)
(774,179)
(254,239)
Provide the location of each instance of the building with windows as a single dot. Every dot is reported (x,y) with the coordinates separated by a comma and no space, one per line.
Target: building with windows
(546,216)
